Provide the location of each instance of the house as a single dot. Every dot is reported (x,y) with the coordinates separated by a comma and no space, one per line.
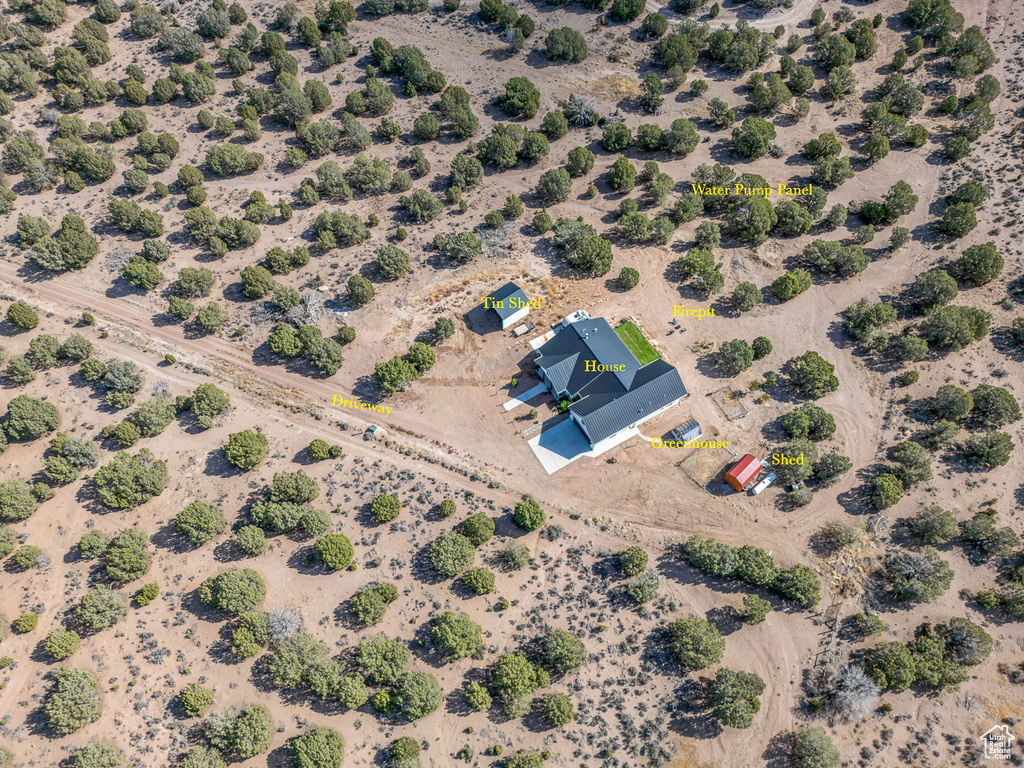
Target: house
(744,472)
(609,392)
(509,303)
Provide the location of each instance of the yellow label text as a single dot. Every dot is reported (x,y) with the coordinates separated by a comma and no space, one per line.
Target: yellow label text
(678,310)
(657,442)
(512,303)
(778,458)
(594,366)
(341,402)
(740,189)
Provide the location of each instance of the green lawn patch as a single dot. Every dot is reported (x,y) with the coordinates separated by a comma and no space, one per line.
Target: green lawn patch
(638,345)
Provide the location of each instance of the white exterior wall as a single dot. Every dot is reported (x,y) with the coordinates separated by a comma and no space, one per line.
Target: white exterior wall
(515,318)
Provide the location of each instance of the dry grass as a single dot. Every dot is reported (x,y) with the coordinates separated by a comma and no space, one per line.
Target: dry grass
(615,86)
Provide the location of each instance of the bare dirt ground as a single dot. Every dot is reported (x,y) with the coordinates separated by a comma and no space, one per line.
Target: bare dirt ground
(453,415)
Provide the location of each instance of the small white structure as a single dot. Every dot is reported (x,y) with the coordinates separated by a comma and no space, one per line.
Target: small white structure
(509,303)
(575,317)
(763,484)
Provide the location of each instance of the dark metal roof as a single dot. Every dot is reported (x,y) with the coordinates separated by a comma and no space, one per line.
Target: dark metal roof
(564,358)
(689,430)
(606,406)
(610,400)
(504,308)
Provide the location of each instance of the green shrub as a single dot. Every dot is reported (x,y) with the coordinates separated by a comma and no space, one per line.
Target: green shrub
(130,481)
(477,697)
(127,555)
(26,622)
(72,702)
(195,699)
(869,624)
(246,450)
(480,581)
(528,514)
(385,508)
(644,587)
(370,603)
(735,697)
(697,643)
(360,290)
(812,748)
(456,636)
(404,751)
(917,577)
(633,560)
(887,491)
(318,748)
(29,419)
(452,553)
(384,660)
(22,316)
(235,590)
(563,652)
(334,550)
(392,261)
(419,694)
(566,44)
(755,609)
(251,540)
(147,594)
(93,544)
(101,607)
(520,97)
(478,528)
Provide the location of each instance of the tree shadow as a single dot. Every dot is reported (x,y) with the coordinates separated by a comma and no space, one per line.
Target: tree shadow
(726,618)
(302,560)
(422,568)
(228,550)
(166,537)
(217,465)
(779,751)
(690,717)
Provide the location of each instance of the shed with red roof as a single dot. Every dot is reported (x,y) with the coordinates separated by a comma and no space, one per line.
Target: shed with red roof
(744,472)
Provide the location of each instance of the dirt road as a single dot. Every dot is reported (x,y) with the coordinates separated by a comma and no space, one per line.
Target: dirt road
(789,17)
(204,350)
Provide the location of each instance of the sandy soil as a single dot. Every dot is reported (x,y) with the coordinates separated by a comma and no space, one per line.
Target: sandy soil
(453,415)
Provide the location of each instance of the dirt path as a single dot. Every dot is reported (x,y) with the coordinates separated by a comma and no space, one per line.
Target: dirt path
(790,17)
(206,349)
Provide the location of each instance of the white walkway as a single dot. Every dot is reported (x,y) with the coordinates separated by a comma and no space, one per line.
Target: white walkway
(521,399)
